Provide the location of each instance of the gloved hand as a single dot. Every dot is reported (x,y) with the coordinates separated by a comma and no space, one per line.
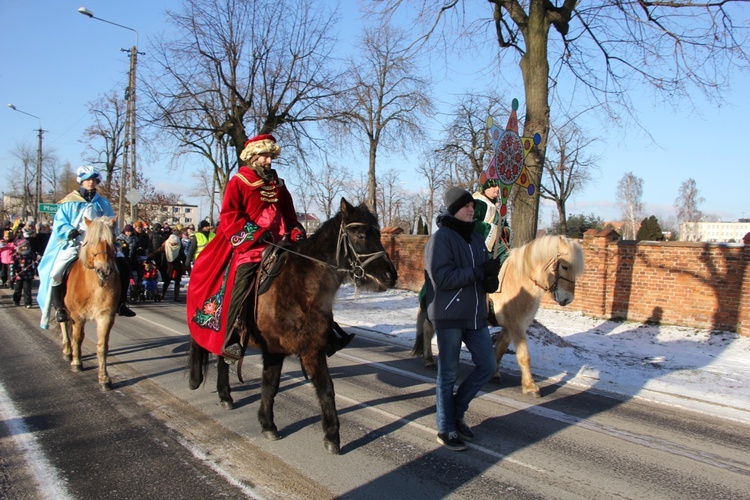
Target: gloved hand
(298,233)
(491,267)
(73,234)
(490,283)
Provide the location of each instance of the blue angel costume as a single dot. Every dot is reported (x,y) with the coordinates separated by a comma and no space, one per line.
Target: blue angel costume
(61,251)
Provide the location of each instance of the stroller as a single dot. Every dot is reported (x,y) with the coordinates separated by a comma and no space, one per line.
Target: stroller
(144,284)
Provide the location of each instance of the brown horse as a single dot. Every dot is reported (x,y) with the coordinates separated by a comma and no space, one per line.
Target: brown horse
(295,314)
(93,293)
(550,264)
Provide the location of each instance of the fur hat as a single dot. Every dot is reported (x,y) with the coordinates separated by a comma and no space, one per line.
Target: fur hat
(264,143)
(86,172)
(456,198)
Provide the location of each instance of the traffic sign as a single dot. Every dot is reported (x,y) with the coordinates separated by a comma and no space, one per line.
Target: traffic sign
(48,208)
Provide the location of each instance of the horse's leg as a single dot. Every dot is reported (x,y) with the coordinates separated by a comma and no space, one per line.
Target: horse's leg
(103,327)
(524,362)
(197,361)
(269,386)
(65,333)
(429,333)
(75,344)
(501,346)
(222,384)
(317,367)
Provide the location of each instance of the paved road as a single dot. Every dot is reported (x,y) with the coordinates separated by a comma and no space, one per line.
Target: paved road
(153,437)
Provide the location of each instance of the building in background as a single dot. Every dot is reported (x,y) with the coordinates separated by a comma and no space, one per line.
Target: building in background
(715,232)
(179,213)
(310,222)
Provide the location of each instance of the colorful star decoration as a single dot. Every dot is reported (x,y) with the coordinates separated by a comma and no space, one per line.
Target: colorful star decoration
(507,163)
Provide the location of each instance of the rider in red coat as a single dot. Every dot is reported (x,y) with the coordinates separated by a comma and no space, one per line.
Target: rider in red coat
(257,209)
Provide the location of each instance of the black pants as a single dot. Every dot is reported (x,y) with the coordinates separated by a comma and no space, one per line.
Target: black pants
(18,286)
(124,269)
(242,279)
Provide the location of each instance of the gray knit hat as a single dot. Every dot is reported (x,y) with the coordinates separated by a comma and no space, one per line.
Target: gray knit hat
(456,198)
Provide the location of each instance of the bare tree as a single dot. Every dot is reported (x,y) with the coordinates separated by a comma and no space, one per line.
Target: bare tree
(263,64)
(104,139)
(326,185)
(391,199)
(629,198)
(385,98)
(605,48)
(568,168)
(437,179)
(687,203)
(467,146)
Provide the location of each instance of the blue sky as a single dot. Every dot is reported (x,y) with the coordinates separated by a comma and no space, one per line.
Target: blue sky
(53,61)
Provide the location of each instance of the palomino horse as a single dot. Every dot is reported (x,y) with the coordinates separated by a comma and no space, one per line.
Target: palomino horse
(295,314)
(93,293)
(550,264)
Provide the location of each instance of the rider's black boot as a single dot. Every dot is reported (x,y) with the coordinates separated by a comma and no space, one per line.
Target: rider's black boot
(57,294)
(337,339)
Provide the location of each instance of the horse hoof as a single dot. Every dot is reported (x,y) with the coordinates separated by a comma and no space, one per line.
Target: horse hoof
(430,365)
(534,393)
(76,368)
(105,386)
(68,357)
(227,405)
(271,435)
(194,384)
(331,447)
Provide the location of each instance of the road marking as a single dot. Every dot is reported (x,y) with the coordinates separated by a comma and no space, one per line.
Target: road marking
(45,475)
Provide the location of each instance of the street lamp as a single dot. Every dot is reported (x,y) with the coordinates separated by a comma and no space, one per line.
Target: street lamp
(129,156)
(38,190)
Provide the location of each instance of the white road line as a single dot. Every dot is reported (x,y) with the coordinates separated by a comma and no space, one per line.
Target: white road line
(45,475)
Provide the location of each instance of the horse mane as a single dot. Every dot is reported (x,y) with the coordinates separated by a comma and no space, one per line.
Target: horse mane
(97,230)
(543,250)
(329,230)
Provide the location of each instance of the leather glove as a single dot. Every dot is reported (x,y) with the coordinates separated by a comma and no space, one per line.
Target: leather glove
(490,283)
(491,267)
(73,234)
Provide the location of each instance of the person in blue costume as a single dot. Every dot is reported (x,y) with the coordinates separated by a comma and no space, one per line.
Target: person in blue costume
(65,241)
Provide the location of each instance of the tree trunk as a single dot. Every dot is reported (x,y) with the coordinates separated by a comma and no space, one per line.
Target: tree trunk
(372,186)
(535,71)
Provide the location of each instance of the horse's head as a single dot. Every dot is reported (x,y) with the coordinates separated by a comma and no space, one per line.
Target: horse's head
(361,251)
(97,249)
(568,266)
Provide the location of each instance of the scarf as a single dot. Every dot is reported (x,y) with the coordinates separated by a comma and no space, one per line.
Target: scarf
(172,248)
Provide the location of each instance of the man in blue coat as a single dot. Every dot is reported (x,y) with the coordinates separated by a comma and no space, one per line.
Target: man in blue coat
(64,243)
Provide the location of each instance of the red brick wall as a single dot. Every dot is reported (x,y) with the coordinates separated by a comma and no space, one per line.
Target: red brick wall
(700,285)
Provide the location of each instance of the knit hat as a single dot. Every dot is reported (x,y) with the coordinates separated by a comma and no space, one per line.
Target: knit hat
(203,224)
(486,182)
(128,227)
(264,143)
(456,198)
(87,172)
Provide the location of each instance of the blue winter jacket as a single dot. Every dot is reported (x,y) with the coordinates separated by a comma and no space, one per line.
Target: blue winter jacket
(453,272)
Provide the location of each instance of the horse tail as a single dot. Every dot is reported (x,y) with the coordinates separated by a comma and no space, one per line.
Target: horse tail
(418,349)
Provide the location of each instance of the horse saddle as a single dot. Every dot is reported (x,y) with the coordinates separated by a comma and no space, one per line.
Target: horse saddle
(271,260)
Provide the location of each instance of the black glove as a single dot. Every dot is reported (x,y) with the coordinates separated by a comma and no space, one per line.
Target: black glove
(491,267)
(491,283)
(73,234)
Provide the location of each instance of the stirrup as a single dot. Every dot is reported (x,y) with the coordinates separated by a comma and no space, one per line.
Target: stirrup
(61,315)
(232,353)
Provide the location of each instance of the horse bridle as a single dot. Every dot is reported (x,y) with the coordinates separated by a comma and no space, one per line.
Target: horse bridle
(110,253)
(553,287)
(345,250)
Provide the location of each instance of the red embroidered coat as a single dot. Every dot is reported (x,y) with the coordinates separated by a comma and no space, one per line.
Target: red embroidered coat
(251,208)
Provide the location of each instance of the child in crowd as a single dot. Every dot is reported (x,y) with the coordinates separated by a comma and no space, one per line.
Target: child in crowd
(7,250)
(150,278)
(24,267)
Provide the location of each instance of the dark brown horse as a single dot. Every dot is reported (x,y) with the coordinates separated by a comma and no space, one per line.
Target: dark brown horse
(93,293)
(295,314)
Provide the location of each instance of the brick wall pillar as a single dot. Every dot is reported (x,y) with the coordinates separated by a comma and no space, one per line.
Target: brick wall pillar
(591,289)
(743,319)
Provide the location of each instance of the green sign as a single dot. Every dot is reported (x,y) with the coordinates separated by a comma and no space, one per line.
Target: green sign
(48,208)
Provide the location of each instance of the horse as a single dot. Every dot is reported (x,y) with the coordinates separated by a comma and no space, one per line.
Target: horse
(93,293)
(295,313)
(549,264)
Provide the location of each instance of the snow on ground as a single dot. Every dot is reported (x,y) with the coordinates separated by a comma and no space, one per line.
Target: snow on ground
(700,370)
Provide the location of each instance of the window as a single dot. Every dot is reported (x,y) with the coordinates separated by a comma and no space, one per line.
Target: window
(187,210)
